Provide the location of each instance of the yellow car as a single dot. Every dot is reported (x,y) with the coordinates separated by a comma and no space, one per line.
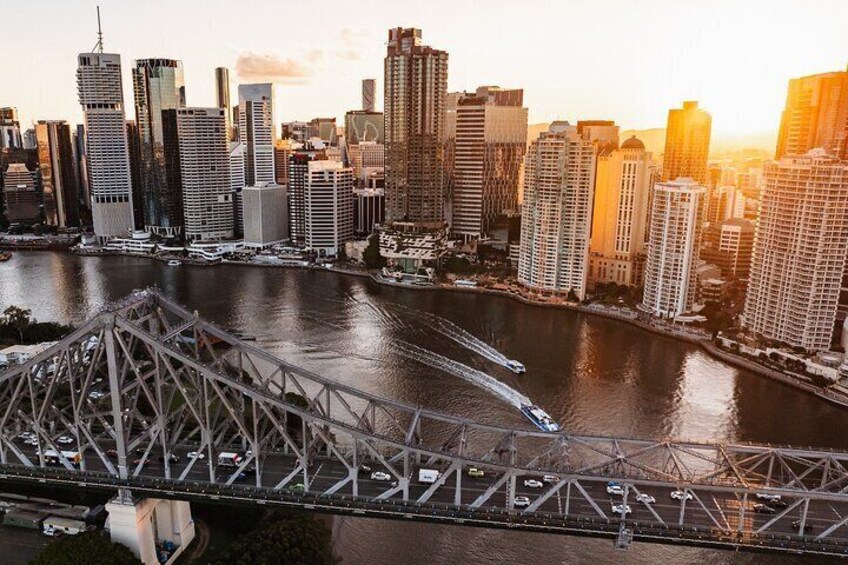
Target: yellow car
(475,473)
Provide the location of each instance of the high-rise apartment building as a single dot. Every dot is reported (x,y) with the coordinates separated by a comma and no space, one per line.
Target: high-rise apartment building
(10,129)
(222,97)
(799,250)
(675,223)
(414,108)
(198,162)
(369,94)
(60,193)
(622,188)
(158,85)
(366,158)
(603,132)
(815,115)
(490,142)
(21,200)
(107,158)
(256,131)
(328,206)
(282,151)
(687,143)
(298,179)
(557,211)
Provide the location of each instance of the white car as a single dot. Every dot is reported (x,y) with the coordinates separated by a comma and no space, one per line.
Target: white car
(95,395)
(380,476)
(533,483)
(646,498)
(615,489)
(550,479)
(681,495)
(521,502)
(768,497)
(65,440)
(621,509)
(196,455)
(30,441)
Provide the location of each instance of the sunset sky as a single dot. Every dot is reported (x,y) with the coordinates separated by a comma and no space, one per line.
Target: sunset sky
(625,60)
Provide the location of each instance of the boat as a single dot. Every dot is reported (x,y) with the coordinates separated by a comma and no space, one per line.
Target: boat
(515,367)
(5,256)
(174,263)
(539,417)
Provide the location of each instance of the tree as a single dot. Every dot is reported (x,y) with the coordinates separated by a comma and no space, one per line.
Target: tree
(371,256)
(296,539)
(18,319)
(83,549)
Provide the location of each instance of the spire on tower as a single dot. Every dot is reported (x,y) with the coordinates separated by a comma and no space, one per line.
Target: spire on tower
(98,47)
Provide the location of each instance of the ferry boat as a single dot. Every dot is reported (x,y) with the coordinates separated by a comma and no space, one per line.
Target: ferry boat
(5,256)
(515,367)
(539,417)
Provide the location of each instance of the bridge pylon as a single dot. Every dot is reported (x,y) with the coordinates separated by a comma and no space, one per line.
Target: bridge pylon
(149,526)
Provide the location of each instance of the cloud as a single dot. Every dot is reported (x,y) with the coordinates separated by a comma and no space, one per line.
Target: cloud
(272,68)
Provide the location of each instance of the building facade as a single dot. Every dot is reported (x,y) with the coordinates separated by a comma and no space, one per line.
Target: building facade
(59,190)
(107,157)
(256,131)
(10,129)
(265,215)
(414,108)
(21,200)
(622,188)
(489,147)
(557,212)
(222,97)
(361,125)
(196,146)
(729,245)
(687,143)
(675,224)
(799,251)
(328,206)
(158,85)
(815,115)
(369,210)
(369,94)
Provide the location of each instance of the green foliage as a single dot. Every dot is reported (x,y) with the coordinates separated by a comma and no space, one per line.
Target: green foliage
(460,266)
(371,256)
(295,539)
(17,327)
(84,549)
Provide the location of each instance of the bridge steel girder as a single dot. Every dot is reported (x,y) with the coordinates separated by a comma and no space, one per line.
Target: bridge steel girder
(146,380)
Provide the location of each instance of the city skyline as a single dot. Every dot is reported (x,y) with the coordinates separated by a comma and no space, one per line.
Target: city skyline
(319,72)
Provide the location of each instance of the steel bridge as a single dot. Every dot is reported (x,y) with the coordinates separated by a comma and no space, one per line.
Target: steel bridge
(147,396)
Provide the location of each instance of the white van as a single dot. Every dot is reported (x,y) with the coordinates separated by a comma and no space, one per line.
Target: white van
(55,525)
(428,476)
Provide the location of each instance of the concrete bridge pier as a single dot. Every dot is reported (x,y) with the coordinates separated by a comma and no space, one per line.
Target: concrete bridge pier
(145,524)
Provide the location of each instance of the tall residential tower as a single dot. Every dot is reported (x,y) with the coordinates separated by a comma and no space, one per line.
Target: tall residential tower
(687,143)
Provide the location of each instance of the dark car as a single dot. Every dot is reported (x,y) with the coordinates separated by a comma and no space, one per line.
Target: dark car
(239,477)
(778,503)
(172,458)
(808,528)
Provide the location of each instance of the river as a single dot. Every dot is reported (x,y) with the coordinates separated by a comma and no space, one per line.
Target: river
(593,375)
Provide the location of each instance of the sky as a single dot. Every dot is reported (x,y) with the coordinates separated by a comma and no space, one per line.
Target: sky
(627,60)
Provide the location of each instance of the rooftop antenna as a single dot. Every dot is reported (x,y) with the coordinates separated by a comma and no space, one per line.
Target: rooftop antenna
(98,47)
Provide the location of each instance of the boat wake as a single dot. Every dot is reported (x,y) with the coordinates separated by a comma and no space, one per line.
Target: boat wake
(462,371)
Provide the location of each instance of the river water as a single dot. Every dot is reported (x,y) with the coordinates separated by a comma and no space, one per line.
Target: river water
(593,375)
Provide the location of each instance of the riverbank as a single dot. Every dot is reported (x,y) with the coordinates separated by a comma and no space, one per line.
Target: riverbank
(613,313)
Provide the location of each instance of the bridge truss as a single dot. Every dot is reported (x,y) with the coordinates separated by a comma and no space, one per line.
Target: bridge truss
(148,396)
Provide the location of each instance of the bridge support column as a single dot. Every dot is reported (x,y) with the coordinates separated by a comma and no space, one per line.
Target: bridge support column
(147,525)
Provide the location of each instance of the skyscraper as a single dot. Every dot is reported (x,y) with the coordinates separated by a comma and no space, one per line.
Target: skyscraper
(816,115)
(799,250)
(363,125)
(675,225)
(622,187)
(10,129)
(687,143)
(369,88)
(256,131)
(198,161)
(491,138)
(237,184)
(557,211)
(158,85)
(298,179)
(328,206)
(107,160)
(60,193)
(222,96)
(603,132)
(729,245)
(414,108)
